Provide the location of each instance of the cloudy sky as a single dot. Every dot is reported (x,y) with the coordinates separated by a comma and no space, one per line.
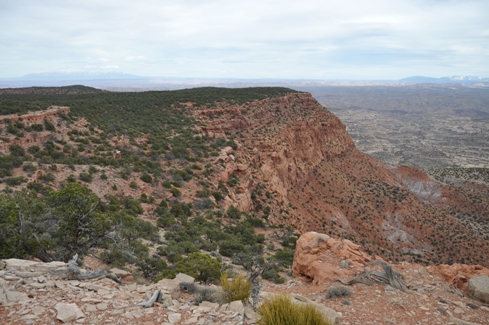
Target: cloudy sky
(307,39)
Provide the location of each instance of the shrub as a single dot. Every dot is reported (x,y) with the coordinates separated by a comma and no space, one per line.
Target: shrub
(16,150)
(201,266)
(46,178)
(188,287)
(15,181)
(233,213)
(146,178)
(218,196)
(338,292)
(203,204)
(280,310)
(151,266)
(203,193)
(284,257)
(133,185)
(29,167)
(37,127)
(176,192)
(34,149)
(48,125)
(228,248)
(238,289)
(209,294)
(86,177)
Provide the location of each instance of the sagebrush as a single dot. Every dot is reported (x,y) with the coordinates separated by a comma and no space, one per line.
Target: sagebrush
(338,292)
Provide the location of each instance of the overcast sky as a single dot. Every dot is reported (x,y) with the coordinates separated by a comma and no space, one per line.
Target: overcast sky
(307,39)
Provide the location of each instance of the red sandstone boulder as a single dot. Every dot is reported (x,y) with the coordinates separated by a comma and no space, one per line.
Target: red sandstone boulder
(318,256)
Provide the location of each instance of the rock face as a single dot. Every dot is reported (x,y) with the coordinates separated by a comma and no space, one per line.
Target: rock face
(318,256)
(478,287)
(317,180)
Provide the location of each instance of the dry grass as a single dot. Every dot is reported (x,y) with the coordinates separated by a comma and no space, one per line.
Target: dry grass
(280,310)
(238,288)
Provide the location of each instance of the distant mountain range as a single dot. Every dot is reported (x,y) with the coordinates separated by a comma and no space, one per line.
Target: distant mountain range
(78,76)
(452,79)
(124,82)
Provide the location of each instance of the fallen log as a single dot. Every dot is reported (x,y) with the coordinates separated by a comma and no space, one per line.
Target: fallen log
(74,273)
(151,301)
(388,277)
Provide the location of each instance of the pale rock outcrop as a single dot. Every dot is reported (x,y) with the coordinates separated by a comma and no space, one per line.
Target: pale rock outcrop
(478,287)
(318,256)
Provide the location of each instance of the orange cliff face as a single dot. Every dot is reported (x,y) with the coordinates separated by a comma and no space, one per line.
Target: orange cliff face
(299,167)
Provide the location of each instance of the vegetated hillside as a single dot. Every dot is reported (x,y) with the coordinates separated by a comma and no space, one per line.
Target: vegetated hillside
(206,168)
(68,90)
(142,155)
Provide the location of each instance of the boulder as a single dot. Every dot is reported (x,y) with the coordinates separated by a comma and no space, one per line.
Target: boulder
(478,288)
(181,277)
(318,256)
(68,312)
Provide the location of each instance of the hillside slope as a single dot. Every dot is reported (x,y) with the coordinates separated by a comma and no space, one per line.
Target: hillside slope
(244,158)
(297,158)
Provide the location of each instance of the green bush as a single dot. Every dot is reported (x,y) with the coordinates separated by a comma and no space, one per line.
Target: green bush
(29,167)
(16,150)
(202,267)
(280,310)
(37,127)
(151,266)
(15,181)
(228,248)
(218,196)
(49,126)
(238,289)
(146,178)
(133,185)
(176,192)
(233,213)
(284,257)
(86,177)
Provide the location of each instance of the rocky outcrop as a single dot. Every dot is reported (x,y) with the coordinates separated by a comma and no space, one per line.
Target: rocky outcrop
(420,184)
(319,257)
(478,288)
(32,291)
(36,117)
(458,275)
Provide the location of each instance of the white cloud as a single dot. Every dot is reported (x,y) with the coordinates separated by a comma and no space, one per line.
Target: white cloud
(253,39)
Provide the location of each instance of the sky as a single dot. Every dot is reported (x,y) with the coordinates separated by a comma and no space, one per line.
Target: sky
(307,39)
